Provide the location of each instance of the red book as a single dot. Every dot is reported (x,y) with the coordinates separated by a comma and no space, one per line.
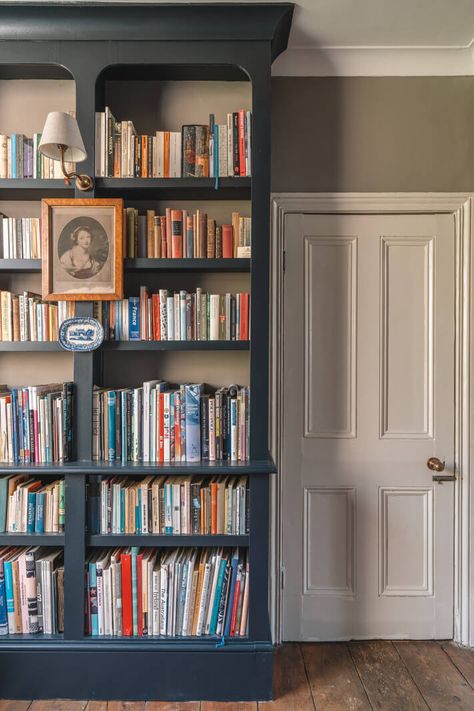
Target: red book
(235,602)
(242,170)
(176,217)
(140,594)
(127,614)
(177,427)
(161,430)
(155,316)
(244,317)
(227,241)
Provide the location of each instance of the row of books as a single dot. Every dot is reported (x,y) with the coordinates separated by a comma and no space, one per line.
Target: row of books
(197,151)
(158,422)
(30,505)
(179,316)
(20,158)
(20,237)
(36,423)
(25,317)
(31,590)
(163,505)
(181,234)
(167,592)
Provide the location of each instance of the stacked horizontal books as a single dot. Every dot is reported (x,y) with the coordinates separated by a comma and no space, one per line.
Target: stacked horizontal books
(20,237)
(31,590)
(179,234)
(158,422)
(176,317)
(188,505)
(167,593)
(30,505)
(196,151)
(36,423)
(25,317)
(20,158)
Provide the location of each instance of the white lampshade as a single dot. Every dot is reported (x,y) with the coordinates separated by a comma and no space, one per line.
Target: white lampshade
(62,128)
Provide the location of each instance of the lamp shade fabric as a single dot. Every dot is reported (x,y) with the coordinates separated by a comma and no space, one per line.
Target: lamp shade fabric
(62,129)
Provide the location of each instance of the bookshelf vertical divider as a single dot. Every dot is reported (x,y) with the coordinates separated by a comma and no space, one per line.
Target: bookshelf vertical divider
(195,42)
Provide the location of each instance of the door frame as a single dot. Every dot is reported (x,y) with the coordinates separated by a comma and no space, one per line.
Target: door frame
(461,206)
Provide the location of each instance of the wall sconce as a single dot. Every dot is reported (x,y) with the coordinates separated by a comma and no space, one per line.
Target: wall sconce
(61,140)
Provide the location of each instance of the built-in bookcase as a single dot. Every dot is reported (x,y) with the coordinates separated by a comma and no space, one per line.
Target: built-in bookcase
(161,67)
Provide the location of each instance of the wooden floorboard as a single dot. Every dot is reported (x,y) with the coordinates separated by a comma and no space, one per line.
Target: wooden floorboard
(172,706)
(440,682)
(6,705)
(126,706)
(290,684)
(386,680)
(96,706)
(229,706)
(463,659)
(335,684)
(57,705)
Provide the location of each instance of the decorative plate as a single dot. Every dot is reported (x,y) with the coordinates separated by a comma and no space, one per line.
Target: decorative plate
(81,333)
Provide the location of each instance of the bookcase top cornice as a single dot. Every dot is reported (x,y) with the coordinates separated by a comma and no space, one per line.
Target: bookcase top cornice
(131,22)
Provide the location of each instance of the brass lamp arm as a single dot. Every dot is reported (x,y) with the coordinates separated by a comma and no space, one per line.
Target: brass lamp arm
(83,182)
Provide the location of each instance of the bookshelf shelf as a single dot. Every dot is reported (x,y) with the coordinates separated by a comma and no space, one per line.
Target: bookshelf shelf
(175,188)
(29,346)
(235,45)
(176,345)
(264,466)
(34,189)
(31,539)
(173,541)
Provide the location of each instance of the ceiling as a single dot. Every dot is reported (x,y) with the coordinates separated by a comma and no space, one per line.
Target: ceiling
(375,37)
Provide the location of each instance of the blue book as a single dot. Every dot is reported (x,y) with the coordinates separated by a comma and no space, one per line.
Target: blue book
(15,427)
(168,505)
(134,552)
(122,510)
(14,147)
(111,409)
(39,514)
(192,394)
(9,594)
(3,603)
(217,596)
(138,512)
(31,510)
(134,318)
(228,615)
(93,600)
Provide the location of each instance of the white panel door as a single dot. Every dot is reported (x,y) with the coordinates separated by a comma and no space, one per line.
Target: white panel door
(368,399)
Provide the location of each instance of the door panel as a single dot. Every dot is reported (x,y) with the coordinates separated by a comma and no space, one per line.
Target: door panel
(368,398)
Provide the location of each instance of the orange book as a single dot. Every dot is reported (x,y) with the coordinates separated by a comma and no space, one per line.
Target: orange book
(227,242)
(214,490)
(235,230)
(150,234)
(127,615)
(144,166)
(164,241)
(166,171)
(155,317)
(244,316)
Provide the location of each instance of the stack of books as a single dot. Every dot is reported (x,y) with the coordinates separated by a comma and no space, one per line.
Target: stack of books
(30,505)
(161,423)
(20,237)
(20,158)
(179,316)
(25,317)
(167,593)
(36,423)
(180,234)
(196,151)
(185,505)
(31,590)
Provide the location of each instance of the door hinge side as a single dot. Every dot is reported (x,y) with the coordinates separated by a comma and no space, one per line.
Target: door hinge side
(282,577)
(284,260)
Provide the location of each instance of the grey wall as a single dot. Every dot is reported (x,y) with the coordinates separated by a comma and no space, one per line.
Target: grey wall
(373,134)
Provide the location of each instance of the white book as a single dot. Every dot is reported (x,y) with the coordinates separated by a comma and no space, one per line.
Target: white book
(175,154)
(213,592)
(146,418)
(170,317)
(4,156)
(156,575)
(107,601)
(163,598)
(166,427)
(227,316)
(212,429)
(203,600)
(214,317)
(248,143)
(160,154)
(187,600)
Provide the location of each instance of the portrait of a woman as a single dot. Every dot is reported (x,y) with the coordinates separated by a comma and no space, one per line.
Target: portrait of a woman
(83,248)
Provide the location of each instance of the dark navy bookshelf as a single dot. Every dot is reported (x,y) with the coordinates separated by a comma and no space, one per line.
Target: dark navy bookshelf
(31,539)
(95,44)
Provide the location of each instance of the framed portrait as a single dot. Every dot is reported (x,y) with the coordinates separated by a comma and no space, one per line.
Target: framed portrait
(82,249)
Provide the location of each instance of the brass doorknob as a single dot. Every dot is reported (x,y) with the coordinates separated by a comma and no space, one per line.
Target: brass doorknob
(435,464)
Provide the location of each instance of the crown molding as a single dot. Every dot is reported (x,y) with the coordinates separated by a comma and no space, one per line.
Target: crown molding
(375,61)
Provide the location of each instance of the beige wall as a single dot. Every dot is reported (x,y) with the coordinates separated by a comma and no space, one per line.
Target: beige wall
(372,134)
